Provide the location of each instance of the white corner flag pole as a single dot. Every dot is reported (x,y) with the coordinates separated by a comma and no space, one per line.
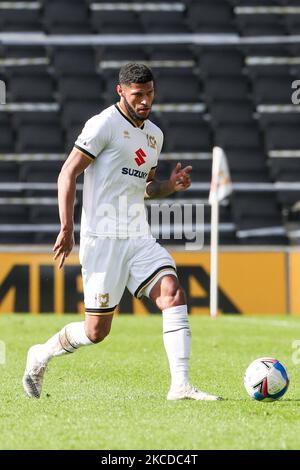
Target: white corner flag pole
(220,188)
(214,242)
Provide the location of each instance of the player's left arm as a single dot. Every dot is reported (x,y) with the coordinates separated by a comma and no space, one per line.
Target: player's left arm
(179,180)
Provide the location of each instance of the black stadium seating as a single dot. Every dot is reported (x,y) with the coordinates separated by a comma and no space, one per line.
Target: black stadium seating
(13,19)
(64,17)
(176,93)
(272,90)
(210,16)
(164,23)
(34,138)
(235,94)
(186,133)
(116,22)
(6,138)
(282,137)
(31,88)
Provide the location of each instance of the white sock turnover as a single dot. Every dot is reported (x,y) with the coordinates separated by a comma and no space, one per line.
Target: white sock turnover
(177,342)
(67,340)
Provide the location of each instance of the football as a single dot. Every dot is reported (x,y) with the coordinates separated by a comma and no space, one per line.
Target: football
(266,379)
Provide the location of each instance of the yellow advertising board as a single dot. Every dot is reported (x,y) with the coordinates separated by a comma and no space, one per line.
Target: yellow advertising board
(294,273)
(249,283)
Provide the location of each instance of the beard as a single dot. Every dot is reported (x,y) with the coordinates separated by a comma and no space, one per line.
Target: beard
(132,113)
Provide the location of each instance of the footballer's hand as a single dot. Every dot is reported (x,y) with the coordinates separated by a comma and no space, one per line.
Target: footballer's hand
(63,246)
(180,177)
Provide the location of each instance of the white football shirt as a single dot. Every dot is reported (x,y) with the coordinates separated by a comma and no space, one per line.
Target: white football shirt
(115,182)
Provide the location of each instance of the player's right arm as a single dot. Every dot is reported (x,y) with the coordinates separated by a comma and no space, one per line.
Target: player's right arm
(75,164)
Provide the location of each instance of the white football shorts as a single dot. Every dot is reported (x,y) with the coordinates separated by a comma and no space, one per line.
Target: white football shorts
(109,265)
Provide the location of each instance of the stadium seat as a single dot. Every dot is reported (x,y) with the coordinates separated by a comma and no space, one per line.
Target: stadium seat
(34,117)
(201,173)
(235,136)
(5,118)
(31,88)
(7,141)
(46,170)
(64,17)
(285,169)
(260,25)
(171,52)
(164,22)
(270,70)
(177,86)
(282,137)
(20,19)
(287,199)
(247,165)
(210,17)
(71,135)
(79,60)
(276,116)
(14,237)
(25,59)
(256,3)
(44,214)
(120,54)
(267,49)
(40,138)
(230,112)
(78,111)
(272,90)
(20,51)
(293,23)
(224,88)
(13,214)
(186,133)
(110,78)
(9,171)
(256,210)
(82,87)
(116,21)
(225,62)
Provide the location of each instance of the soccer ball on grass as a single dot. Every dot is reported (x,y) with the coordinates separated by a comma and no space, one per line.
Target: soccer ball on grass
(266,379)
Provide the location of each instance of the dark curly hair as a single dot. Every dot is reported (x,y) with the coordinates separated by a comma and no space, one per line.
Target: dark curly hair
(135,73)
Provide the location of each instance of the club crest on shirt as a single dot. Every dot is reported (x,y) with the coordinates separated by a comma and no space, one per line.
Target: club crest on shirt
(126,135)
(151,141)
(102,300)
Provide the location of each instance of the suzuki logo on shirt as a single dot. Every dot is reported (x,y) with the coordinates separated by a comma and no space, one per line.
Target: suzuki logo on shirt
(140,157)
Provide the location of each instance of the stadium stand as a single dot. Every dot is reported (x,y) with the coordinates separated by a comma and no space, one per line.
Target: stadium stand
(231,88)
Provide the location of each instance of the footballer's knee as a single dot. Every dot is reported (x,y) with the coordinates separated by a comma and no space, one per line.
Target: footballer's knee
(168,293)
(97,327)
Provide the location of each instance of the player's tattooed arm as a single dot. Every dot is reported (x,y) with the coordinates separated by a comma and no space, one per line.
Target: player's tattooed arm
(179,181)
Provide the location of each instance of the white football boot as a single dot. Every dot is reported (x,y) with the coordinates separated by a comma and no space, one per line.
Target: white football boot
(188,392)
(34,372)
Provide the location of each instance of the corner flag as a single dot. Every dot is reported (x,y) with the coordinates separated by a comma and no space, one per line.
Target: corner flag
(221,185)
(220,188)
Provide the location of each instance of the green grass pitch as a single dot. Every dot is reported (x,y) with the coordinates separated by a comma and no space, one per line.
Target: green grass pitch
(112,395)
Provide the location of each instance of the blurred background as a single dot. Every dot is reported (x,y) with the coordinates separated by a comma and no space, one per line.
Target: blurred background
(226,74)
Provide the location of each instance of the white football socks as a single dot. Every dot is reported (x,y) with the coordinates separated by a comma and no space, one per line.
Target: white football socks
(177,342)
(67,340)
